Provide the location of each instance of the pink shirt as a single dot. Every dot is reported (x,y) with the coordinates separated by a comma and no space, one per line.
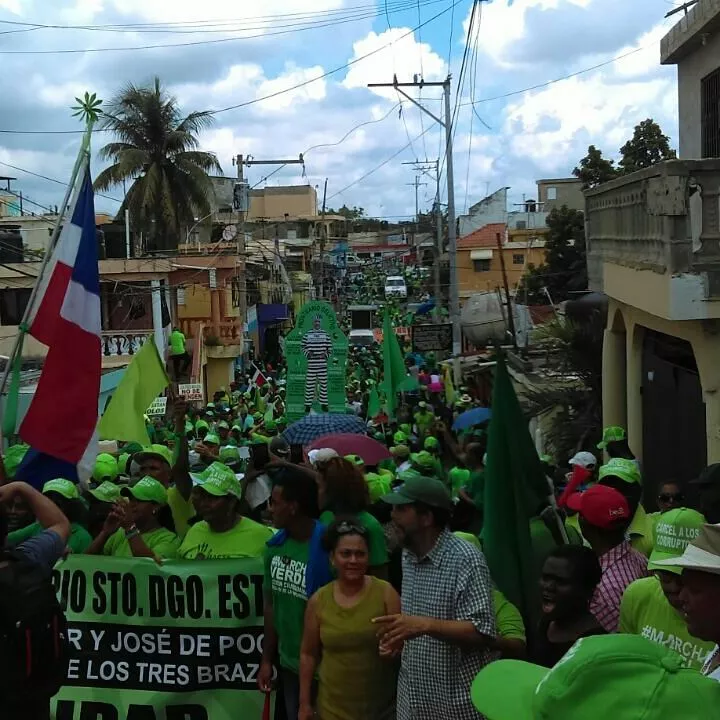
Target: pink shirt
(620,566)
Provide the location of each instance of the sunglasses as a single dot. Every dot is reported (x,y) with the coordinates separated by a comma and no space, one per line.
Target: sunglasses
(347,528)
(670,497)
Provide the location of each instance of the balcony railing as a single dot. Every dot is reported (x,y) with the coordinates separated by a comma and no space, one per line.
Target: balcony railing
(229,333)
(119,343)
(665,219)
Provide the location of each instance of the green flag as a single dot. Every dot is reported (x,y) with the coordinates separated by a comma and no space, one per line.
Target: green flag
(396,378)
(515,489)
(373,404)
(144,380)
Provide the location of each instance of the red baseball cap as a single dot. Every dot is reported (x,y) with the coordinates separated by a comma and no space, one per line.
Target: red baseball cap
(601,506)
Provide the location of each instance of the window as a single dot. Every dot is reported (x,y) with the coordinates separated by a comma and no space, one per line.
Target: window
(552,193)
(13,304)
(521,225)
(710,115)
(518,258)
(481,265)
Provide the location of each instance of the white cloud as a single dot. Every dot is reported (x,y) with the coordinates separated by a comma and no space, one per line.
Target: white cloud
(14,6)
(404,58)
(293,76)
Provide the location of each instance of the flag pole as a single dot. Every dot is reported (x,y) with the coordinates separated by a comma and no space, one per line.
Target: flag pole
(89,110)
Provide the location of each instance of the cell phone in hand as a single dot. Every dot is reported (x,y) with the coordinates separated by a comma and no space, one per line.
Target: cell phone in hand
(260,454)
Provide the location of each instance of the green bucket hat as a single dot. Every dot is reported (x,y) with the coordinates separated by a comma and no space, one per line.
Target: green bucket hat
(611,434)
(419,488)
(218,480)
(67,488)
(13,457)
(674,531)
(423,460)
(229,453)
(146,489)
(211,439)
(106,468)
(621,676)
(107,492)
(623,468)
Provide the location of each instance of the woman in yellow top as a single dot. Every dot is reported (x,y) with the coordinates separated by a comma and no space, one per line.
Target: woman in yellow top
(355,682)
(139,525)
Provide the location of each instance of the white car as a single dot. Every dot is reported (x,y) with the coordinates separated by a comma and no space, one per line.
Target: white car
(364,338)
(395,286)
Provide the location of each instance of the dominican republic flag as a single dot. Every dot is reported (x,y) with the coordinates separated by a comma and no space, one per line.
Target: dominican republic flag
(60,424)
(258,379)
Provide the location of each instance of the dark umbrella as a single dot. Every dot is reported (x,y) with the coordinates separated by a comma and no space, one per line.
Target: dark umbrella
(369,449)
(304,431)
(476,416)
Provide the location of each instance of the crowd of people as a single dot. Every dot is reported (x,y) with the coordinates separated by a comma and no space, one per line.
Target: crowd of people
(378,601)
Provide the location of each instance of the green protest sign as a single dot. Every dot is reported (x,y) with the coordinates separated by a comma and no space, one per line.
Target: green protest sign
(177,641)
(316,353)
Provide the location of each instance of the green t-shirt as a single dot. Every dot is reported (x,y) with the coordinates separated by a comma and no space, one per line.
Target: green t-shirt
(177,343)
(644,610)
(459,478)
(78,542)
(508,619)
(162,542)
(182,511)
(376,535)
(246,539)
(285,569)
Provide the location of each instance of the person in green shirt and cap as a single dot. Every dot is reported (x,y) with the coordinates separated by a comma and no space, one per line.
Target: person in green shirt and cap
(651,606)
(140,527)
(65,494)
(100,503)
(424,418)
(223,532)
(178,354)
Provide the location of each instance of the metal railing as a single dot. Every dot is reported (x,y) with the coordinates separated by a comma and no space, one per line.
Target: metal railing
(123,343)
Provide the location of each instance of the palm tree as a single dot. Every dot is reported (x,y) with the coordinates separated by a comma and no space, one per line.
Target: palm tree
(156,148)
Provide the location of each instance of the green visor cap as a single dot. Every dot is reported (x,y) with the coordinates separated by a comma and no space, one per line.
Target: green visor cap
(674,531)
(211,439)
(400,438)
(419,488)
(431,443)
(67,488)
(106,468)
(229,453)
(218,480)
(614,433)
(146,490)
(159,451)
(604,676)
(622,468)
(355,460)
(423,460)
(107,492)
(222,425)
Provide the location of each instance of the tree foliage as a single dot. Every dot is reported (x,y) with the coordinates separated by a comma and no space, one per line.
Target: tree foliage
(157,149)
(594,169)
(647,147)
(565,269)
(353,213)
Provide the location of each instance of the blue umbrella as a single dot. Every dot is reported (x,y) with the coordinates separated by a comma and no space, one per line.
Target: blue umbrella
(304,431)
(476,416)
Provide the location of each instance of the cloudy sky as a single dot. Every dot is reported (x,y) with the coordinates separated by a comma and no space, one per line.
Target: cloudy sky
(217,54)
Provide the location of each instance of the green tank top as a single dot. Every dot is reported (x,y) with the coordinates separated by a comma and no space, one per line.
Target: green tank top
(355,683)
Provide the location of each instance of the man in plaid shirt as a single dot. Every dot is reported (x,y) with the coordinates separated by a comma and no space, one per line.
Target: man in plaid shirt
(447,625)
(604,519)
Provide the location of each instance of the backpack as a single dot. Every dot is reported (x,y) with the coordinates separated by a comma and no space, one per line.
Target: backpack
(33,631)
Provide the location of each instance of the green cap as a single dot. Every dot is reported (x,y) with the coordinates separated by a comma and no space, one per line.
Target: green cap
(282,420)
(218,480)
(210,405)
(61,486)
(211,439)
(611,434)
(355,460)
(13,457)
(431,443)
(159,451)
(257,416)
(133,447)
(229,453)
(222,425)
(106,468)
(674,531)
(146,490)
(405,427)
(622,468)
(379,436)
(202,425)
(418,488)
(106,492)
(400,451)
(423,459)
(122,463)
(400,438)
(378,485)
(236,428)
(270,425)
(604,676)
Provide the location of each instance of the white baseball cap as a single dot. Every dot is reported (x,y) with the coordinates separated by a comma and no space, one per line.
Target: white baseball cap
(584,459)
(321,455)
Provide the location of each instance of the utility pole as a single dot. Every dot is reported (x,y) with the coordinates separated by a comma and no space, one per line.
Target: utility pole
(323,238)
(452,229)
(416,185)
(508,301)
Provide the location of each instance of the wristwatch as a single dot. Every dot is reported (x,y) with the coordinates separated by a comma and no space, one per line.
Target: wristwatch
(132,532)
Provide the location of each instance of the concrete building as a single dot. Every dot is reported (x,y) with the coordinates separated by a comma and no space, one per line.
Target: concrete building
(653,249)
(479,259)
(556,192)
